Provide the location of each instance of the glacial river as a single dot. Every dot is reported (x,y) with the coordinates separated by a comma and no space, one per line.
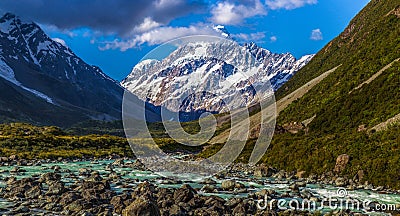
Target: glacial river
(319,192)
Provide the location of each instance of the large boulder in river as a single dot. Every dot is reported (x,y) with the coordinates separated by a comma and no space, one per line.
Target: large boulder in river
(359,176)
(13,157)
(69,197)
(55,188)
(341,163)
(49,177)
(18,188)
(300,174)
(263,171)
(119,203)
(228,185)
(231,184)
(184,194)
(340,182)
(95,185)
(34,192)
(145,188)
(141,207)
(118,162)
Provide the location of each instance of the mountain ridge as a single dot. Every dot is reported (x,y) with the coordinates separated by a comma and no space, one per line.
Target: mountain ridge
(157,81)
(47,71)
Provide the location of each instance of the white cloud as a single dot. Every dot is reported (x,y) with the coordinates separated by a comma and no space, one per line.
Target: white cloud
(273,39)
(158,36)
(167,3)
(230,13)
(288,4)
(55,29)
(147,25)
(249,37)
(316,35)
(61,41)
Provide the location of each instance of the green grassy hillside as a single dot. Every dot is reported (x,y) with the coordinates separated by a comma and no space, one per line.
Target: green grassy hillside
(344,108)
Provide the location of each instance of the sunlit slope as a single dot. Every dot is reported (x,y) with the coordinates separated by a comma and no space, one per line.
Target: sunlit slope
(353,109)
(280,105)
(369,45)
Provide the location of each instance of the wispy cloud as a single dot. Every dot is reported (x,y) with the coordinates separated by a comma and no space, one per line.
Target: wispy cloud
(227,12)
(158,36)
(147,25)
(288,4)
(273,39)
(316,35)
(53,28)
(59,40)
(249,37)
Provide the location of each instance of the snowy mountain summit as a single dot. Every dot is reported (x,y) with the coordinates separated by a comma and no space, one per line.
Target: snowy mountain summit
(203,75)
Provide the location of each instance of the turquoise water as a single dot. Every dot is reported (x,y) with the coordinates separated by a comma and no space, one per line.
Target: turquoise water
(134,177)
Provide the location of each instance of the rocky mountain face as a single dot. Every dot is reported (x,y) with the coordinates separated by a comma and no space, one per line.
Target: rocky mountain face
(44,82)
(208,73)
(278,68)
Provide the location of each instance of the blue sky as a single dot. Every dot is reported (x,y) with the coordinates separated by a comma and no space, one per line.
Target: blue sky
(115,35)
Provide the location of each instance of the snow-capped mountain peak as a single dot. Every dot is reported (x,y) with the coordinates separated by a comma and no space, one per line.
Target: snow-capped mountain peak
(10,21)
(197,67)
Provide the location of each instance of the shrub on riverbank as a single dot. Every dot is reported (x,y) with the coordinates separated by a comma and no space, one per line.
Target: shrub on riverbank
(32,142)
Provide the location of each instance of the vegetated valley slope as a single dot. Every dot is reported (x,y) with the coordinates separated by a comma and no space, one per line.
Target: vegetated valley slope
(338,115)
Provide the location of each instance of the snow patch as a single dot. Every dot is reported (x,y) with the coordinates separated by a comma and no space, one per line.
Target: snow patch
(66,74)
(34,31)
(60,41)
(102,74)
(8,74)
(6,26)
(11,38)
(145,64)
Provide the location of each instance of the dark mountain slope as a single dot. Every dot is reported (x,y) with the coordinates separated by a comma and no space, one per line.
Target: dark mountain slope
(44,82)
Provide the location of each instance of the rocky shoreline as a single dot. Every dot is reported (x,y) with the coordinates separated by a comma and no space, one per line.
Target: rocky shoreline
(107,191)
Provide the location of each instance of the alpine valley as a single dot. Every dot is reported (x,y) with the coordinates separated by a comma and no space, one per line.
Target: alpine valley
(45,83)
(63,150)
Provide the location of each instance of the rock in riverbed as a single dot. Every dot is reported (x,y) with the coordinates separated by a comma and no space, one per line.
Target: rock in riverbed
(231,185)
(141,206)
